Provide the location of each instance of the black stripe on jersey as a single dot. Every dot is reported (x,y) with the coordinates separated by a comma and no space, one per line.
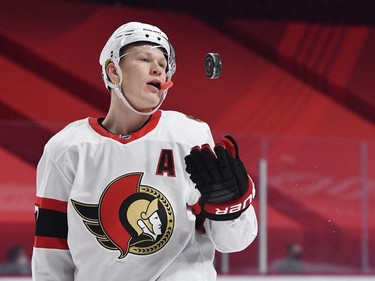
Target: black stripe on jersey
(51,223)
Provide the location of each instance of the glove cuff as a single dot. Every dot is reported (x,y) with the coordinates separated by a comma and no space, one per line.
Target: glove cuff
(199,216)
(229,210)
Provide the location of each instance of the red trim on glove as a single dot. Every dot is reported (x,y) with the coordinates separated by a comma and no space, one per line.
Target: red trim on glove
(231,207)
(199,216)
(228,146)
(197,209)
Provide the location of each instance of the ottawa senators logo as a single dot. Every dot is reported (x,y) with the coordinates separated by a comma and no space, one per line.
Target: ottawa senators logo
(130,217)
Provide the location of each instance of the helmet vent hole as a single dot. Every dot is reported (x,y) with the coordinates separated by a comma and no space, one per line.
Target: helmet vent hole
(159,38)
(147,35)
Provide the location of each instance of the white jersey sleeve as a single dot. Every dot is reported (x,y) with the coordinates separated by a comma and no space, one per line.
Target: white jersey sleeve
(51,257)
(235,235)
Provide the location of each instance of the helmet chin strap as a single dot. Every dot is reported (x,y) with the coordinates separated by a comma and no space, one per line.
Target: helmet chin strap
(121,96)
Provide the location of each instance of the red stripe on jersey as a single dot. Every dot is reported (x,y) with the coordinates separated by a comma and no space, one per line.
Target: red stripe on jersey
(50,243)
(148,127)
(52,204)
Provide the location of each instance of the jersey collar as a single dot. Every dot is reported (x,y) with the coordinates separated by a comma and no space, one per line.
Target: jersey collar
(148,127)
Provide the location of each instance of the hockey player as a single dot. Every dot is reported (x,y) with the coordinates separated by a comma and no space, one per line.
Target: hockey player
(141,194)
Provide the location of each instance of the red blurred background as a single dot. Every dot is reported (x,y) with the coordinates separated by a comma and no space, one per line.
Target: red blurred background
(296,89)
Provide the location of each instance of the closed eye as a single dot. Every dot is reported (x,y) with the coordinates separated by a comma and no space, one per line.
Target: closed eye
(162,65)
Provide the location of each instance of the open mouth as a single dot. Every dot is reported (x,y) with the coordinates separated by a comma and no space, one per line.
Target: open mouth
(155,84)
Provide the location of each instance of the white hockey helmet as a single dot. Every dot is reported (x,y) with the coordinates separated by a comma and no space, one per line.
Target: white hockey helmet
(133,32)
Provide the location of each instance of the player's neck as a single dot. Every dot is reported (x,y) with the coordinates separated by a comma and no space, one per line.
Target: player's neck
(121,120)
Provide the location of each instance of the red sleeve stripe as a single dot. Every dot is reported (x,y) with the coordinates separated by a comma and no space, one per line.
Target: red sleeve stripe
(51,204)
(50,243)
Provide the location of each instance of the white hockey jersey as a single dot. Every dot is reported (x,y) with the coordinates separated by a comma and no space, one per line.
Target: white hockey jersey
(116,207)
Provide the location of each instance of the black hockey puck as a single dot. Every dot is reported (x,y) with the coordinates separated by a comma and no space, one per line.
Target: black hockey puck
(212,65)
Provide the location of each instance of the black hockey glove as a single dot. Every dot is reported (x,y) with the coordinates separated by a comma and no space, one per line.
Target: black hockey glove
(221,179)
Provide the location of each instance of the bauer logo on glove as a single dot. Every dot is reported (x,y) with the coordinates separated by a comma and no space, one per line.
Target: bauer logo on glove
(222,180)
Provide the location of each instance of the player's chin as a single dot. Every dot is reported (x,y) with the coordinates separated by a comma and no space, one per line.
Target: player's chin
(153,98)
(150,105)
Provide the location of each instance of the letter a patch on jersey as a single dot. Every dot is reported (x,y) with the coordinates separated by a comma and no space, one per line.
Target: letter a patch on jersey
(166,163)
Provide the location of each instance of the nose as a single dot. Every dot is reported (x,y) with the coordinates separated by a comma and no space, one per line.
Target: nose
(156,69)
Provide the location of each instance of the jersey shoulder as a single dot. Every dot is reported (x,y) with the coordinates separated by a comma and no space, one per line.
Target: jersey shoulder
(179,117)
(73,134)
(182,127)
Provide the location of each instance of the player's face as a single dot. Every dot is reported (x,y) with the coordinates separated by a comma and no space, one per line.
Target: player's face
(143,69)
(156,223)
